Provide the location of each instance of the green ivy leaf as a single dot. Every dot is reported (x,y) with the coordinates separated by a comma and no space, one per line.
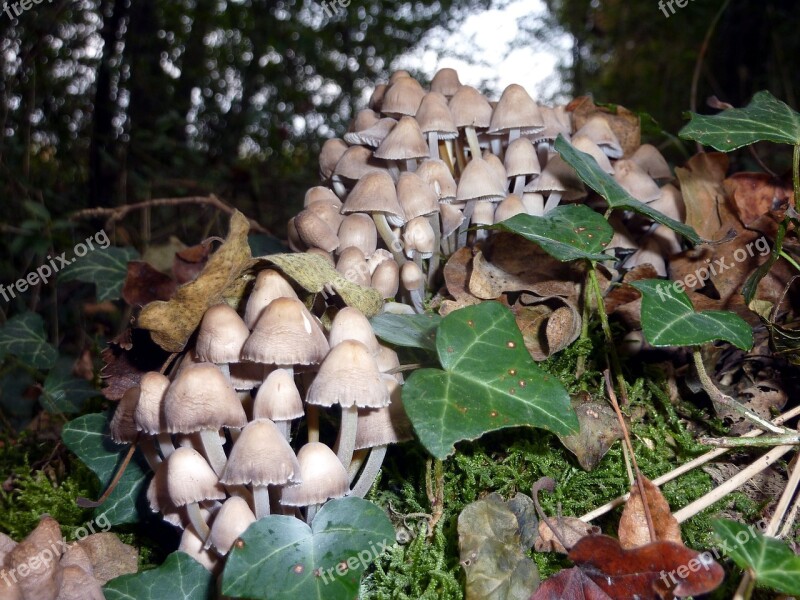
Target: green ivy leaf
(669,319)
(106,269)
(489,382)
(410,331)
(773,563)
(765,119)
(179,578)
(616,196)
(88,438)
(568,232)
(282,558)
(64,393)
(24,337)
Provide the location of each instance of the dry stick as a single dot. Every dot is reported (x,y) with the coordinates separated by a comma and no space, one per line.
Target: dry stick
(787,524)
(783,505)
(645,506)
(86,503)
(685,468)
(731,484)
(717,396)
(118,213)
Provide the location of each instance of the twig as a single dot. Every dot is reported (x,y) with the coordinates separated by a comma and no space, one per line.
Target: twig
(685,468)
(717,396)
(86,503)
(748,442)
(120,212)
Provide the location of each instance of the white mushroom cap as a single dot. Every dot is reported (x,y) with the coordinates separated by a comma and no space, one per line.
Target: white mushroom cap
(351,324)
(479,181)
(159,500)
(516,110)
(230,522)
(419,238)
(352,264)
(190,478)
(192,545)
(358,229)
(278,398)
(268,286)
(636,181)
(222,335)
(202,398)
(286,334)
(381,426)
(349,377)
(599,131)
(386,278)
(149,414)
(323,477)
(261,456)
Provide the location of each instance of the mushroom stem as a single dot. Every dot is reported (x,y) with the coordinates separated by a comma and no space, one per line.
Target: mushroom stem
(497,147)
(165,444)
(347,435)
(411,165)
(226,370)
(311,512)
(417,300)
(284,427)
(261,500)
(150,453)
(519,183)
(433,263)
(312,422)
(394,245)
(433,144)
(370,472)
(214,452)
(358,461)
(448,156)
(469,208)
(552,201)
(196,519)
(472,140)
(542,149)
(513,134)
(338,186)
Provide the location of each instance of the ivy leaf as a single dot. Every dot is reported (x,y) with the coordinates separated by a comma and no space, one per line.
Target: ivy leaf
(773,563)
(179,578)
(765,119)
(88,438)
(64,393)
(410,331)
(669,319)
(23,336)
(616,196)
(282,558)
(106,269)
(489,382)
(567,232)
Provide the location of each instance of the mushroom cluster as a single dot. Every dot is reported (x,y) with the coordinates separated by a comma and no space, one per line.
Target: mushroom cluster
(269,412)
(420,171)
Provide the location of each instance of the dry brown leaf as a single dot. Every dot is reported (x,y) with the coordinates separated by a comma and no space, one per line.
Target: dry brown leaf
(599,429)
(489,282)
(754,195)
(633,529)
(172,323)
(703,194)
(188,263)
(144,284)
(571,529)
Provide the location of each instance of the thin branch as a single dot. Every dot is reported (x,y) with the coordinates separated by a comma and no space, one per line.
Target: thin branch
(120,212)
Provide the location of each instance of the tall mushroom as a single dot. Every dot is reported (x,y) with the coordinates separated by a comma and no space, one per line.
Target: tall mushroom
(278,400)
(149,414)
(268,286)
(190,481)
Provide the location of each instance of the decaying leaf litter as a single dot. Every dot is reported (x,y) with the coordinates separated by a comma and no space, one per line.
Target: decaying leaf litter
(602,261)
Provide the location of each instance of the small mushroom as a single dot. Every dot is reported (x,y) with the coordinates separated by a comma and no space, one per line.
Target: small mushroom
(470,111)
(230,522)
(413,281)
(278,399)
(221,337)
(269,285)
(190,481)
(149,414)
(516,113)
(322,477)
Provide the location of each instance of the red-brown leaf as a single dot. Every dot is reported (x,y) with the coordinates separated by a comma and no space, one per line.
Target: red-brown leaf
(144,284)
(570,584)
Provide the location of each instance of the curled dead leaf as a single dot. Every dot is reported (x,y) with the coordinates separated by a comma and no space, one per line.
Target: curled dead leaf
(571,529)
(633,528)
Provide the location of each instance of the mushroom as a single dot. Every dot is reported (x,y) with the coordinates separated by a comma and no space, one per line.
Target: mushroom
(348,377)
(149,414)
(268,286)
(322,476)
(357,162)
(636,181)
(670,203)
(544,140)
(404,144)
(479,181)
(436,174)
(221,337)
(278,399)
(352,264)
(123,428)
(599,131)
(584,144)
(520,162)
(470,110)
(190,481)
(446,82)
(192,545)
(483,216)
(332,150)
(201,400)
(413,281)
(376,98)
(377,428)
(516,113)
(510,206)
(560,180)
(351,324)
(652,162)
(320,193)
(419,200)
(376,195)
(374,135)
(230,522)
(420,240)
(435,121)
(261,457)
(452,218)
(386,279)
(533,203)
(402,98)
(315,232)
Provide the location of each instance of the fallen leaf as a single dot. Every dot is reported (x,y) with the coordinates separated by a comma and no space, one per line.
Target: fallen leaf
(489,282)
(548,326)
(457,273)
(162,256)
(754,195)
(123,366)
(570,529)
(492,554)
(189,262)
(703,194)
(144,284)
(315,274)
(599,429)
(633,529)
(172,323)
(570,584)
(647,572)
